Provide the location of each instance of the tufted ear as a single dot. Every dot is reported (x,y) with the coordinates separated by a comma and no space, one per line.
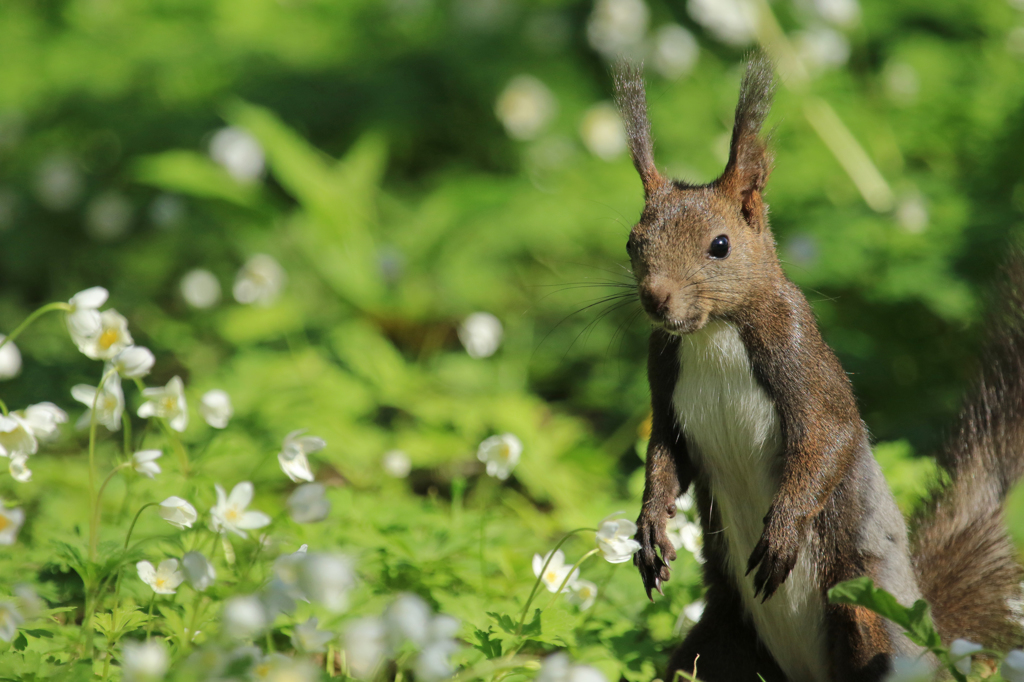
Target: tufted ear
(632,102)
(750,161)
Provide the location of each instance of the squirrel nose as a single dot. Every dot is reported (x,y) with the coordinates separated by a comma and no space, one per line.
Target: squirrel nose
(655,297)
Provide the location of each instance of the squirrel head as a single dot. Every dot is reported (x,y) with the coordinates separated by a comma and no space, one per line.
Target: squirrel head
(702,251)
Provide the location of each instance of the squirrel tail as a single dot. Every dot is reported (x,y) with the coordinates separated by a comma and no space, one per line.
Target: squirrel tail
(965,561)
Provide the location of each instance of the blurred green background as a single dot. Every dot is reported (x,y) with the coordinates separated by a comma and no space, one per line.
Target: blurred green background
(410,162)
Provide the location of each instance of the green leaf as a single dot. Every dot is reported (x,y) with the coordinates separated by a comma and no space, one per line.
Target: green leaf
(490,647)
(915,620)
(190,173)
(127,620)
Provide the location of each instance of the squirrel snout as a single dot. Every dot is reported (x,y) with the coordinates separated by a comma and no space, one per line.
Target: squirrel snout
(655,297)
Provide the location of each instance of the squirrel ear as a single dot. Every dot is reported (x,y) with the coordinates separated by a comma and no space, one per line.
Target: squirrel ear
(632,102)
(750,161)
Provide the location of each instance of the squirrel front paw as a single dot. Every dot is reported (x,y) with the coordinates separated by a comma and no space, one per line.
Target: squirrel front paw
(651,534)
(776,552)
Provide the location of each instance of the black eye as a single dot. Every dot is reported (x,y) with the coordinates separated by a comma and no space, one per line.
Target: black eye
(629,245)
(719,247)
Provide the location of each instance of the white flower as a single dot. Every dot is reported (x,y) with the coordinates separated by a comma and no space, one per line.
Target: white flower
(556,572)
(134,362)
(238,152)
(10,360)
(406,620)
(602,132)
(83,319)
(259,281)
(29,603)
(215,408)
(144,661)
(683,533)
(500,454)
(307,504)
(164,579)
(617,27)
(296,469)
(108,216)
(245,617)
(558,668)
(16,437)
(18,469)
(109,404)
(307,638)
(144,462)
(364,643)
(58,183)
(200,288)
(108,340)
(912,213)
(229,514)
(10,619)
(823,48)
(43,419)
(684,502)
(694,610)
(911,669)
(294,450)
(167,402)
(960,651)
(10,524)
(396,463)
(327,579)
(178,512)
(838,12)
(731,21)
(480,334)
(1012,669)
(433,663)
(167,211)
(284,590)
(583,593)
(675,51)
(615,540)
(525,107)
(199,572)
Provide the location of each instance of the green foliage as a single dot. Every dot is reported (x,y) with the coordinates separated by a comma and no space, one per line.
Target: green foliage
(397,205)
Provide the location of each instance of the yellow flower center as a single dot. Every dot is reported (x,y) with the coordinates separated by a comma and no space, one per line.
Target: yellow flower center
(4,522)
(232,514)
(504,451)
(169,403)
(108,338)
(159,582)
(551,577)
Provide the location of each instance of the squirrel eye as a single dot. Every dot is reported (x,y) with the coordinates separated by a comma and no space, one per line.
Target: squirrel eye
(719,247)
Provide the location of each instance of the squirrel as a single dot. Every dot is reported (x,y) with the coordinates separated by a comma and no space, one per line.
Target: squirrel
(753,408)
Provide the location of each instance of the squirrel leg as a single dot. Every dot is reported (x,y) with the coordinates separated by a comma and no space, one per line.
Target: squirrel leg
(723,646)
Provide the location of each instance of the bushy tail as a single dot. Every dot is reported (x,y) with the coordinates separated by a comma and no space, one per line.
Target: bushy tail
(965,561)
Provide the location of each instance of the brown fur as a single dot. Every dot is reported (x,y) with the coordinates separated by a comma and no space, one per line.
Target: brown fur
(830,500)
(965,559)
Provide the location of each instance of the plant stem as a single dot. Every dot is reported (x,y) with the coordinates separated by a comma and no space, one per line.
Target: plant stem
(60,305)
(127,422)
(94,515)
(536,583)
(99,496)
(135,520)
(149,623)
(3,407)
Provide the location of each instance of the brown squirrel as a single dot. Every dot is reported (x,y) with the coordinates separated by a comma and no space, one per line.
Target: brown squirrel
(754,409)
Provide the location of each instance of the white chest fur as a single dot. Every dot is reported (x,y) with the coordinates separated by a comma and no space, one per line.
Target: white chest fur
(732,432)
